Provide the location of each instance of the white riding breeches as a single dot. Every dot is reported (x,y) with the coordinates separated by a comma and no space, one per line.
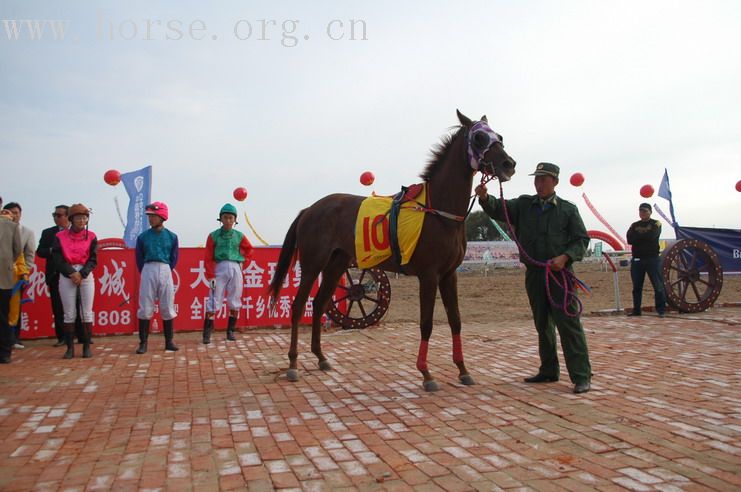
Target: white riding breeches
(156,285)
(68,294)
(228,278)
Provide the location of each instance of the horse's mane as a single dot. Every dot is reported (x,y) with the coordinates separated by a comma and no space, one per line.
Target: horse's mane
(440,153)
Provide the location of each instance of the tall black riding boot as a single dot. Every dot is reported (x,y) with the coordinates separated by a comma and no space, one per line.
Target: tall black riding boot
(230,328)
(143,336)
(87,329)
(69,330)
(208,326)
(169,333)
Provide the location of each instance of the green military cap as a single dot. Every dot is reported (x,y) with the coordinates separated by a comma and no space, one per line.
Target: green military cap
(546,169)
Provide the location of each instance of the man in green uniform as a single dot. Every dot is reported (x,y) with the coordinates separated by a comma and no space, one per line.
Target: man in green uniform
(549,228)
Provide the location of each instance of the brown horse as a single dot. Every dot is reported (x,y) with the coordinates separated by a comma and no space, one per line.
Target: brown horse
(323,237)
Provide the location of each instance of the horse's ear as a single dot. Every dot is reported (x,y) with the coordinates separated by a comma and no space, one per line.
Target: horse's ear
(463,119)
(483,118)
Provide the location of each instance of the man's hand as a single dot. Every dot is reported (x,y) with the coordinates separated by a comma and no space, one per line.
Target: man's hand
(558,263)
(76,278)
(482,192)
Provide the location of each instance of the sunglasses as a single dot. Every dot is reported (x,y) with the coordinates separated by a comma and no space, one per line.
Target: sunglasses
(58,215)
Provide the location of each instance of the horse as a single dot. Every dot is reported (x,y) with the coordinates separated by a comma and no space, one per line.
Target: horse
(322,237)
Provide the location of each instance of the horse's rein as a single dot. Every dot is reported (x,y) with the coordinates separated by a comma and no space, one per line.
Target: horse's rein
(568,280)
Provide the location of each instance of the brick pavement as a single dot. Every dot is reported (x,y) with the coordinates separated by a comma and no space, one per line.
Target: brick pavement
(664,413)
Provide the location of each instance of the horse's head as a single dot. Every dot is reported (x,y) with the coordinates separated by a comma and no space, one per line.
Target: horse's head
(485,149)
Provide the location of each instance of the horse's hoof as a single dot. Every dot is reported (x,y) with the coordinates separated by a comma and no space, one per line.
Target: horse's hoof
(466,379)
(430,386)
(324,365)
(292,375)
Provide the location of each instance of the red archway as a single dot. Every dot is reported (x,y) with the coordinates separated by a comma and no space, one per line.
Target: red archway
(603,236)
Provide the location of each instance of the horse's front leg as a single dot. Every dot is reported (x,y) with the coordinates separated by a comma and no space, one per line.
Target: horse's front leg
(449,295)
(427,291)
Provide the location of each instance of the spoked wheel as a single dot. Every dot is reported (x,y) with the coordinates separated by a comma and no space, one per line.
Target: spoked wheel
(367,294)
(692,275)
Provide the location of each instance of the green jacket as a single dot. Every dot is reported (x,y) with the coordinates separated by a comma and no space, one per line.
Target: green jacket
(543,233)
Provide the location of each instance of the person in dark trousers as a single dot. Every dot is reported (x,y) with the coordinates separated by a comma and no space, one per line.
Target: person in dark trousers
(61,222)
(24,264)
(549,229)
(10,249)
(643,237)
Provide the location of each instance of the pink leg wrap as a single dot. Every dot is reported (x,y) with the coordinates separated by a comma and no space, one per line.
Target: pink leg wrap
(457,349)
(422,356)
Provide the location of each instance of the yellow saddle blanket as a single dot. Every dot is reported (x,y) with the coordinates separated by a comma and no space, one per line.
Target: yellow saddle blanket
(372,237)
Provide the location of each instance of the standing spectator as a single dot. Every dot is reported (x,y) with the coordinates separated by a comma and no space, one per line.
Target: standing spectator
(75,256)
(643,237)
(10,249)
(550,230)
(157,252)
(61,222)
(23,268)
(226,250)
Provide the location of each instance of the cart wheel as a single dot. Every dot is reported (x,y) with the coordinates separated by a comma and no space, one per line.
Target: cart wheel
(367,294)
(692,275)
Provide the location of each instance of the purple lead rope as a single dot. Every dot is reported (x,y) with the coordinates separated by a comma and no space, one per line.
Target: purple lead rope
(568,279)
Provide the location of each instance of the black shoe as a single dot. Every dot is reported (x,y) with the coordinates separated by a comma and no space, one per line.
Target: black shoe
(230,336)
(59,343)
(540,378)
(4,360)
(662,315)
(581,387)
(142,348)
(634,313)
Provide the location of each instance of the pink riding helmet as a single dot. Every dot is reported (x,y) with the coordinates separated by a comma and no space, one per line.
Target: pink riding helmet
(159,209)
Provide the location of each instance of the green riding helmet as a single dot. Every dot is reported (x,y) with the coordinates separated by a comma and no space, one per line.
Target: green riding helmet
(228,209)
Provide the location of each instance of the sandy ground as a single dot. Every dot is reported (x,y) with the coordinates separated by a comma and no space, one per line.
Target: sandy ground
(499,294)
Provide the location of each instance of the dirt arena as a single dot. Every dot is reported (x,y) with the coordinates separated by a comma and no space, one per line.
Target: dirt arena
(499,294)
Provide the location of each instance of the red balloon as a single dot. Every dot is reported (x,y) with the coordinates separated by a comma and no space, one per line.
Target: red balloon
(240,194)
(738,185)
(647,191)
(367,178)
(577,179)
(112,177)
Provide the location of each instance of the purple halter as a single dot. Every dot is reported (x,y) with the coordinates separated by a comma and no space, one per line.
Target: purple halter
(476,152)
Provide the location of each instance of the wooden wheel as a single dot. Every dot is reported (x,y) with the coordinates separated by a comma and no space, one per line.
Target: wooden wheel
(692,275)
(367,294)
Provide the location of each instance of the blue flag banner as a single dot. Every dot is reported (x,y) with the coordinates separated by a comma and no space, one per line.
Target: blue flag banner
(138,185)
(666,193)
(725,242)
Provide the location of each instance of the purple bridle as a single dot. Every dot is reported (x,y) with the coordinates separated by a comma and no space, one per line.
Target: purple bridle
(479,140)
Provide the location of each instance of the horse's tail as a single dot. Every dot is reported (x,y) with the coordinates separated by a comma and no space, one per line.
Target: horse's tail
(287,254)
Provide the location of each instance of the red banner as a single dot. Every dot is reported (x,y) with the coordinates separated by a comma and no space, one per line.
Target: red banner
(117,293)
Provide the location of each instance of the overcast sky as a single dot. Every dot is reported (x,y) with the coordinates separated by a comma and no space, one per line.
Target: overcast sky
(298,108)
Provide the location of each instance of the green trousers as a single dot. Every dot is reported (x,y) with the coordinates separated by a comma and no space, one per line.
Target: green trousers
(547,318)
